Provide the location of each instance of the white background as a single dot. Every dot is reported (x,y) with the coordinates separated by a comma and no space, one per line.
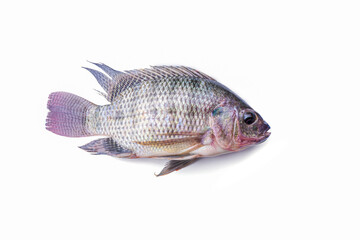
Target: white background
(295,62)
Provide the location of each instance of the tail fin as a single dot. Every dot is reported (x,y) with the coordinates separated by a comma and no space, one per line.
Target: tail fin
(67,116)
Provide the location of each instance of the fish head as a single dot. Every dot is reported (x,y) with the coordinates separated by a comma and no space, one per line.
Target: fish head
(235,129)
(250,128)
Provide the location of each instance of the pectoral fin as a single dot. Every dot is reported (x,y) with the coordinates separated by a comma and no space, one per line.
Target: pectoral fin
(175,165)
(181,138)
(183,144)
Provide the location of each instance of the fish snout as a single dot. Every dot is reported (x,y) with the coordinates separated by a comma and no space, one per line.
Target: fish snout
(265,127)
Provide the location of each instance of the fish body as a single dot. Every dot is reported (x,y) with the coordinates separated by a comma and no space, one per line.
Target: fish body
(172,112)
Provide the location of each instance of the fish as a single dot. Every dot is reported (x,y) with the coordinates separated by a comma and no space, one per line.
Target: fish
(168,112)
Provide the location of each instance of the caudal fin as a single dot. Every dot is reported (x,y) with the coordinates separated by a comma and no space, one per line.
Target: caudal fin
(67,116)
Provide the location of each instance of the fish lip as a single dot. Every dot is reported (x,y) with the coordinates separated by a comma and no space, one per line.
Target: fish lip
(244,141)
(264,137)
(266,132)
(257,140)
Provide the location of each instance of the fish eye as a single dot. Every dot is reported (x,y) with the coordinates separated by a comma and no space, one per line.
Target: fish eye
(249,118)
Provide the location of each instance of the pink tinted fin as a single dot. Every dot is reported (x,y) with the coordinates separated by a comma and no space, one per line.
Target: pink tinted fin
(67,116)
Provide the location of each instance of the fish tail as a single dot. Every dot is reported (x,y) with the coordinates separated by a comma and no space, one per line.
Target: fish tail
(68,115)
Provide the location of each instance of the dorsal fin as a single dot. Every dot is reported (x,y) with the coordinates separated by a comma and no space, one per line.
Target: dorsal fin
(119,81)
(104,81)
(133,77)
(108,70)
(161,72)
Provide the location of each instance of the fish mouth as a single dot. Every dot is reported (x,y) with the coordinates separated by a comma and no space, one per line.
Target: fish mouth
(265,134)
(257,140)
(260,138)
(263,137)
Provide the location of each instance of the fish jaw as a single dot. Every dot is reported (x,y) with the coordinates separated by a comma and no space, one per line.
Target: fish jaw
(264,137)
(246,141)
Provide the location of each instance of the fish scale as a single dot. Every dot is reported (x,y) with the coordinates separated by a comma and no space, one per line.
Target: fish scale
(179,104)
(165,111)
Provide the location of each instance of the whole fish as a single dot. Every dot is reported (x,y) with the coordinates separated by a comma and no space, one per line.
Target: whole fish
(171,112)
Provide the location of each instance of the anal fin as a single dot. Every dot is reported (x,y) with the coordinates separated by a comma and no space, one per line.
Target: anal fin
(106,146)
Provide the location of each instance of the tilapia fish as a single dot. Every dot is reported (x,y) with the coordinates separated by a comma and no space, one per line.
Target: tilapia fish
(171,112)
